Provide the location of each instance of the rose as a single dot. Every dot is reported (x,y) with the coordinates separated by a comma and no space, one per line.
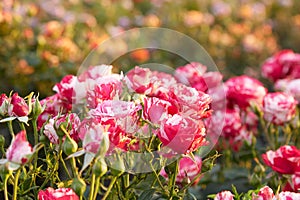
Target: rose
(293,185)
(118,113)
(232,123)
(105,88)
(265,193)
(192,103)
(282,65)
(121,118)
(65,90)
(289,86)
(17,106)
(224,195)
(52,108)
(19,150)
(139,80)
(156,109)
(95,72)
(188,170)
(288,196)
(279,107)
(244,90)
(58,194)
(182,134)
(194,74)
(69,121)
(281,158)
(93,135)
(3,104)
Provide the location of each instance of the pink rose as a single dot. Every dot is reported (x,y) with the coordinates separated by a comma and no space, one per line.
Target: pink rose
(156,109)
(121,118)
(72,122)
(194,74)
(232,123)
(288,196)
(293,185)
(17,106)
(244,90)
(193,103)
(65,89)
(281,158)
(139,80)
(91,132)
(182,134)
(95,72)
(279,107)
(106,88)
(283,64)
(120,113)
(19,150)
(188,170)
(52,107)
(3,104)
(58,194)
(224,195)
(161,80)
(265,193)
(289,86)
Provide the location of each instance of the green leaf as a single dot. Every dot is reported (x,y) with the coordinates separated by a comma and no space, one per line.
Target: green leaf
(147,194)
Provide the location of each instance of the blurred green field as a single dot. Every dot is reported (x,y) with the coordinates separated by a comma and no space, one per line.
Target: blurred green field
(41,41)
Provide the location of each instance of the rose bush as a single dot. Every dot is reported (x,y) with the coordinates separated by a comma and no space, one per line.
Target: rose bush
(148,135)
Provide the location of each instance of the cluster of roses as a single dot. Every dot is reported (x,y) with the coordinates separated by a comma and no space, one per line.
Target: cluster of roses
(102,113)
(265,193)
(119,110)
(126,105)
(277,108)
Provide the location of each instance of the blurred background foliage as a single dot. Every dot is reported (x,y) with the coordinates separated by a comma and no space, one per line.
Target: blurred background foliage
(41,40)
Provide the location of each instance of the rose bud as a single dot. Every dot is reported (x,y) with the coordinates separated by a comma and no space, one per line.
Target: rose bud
(264,193)
(17,106)
(69,145)
(3,104)
(188,170)
(100,167)
(58,194)
(20,150)
(224,195)
(279,107)
(244,90)
(79,186)
(281,158)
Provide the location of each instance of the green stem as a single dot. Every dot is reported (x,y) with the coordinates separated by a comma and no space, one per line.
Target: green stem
(96,187)
(109,187)
(73,165)
(126,180)
(92,186)
(16,184)
(157,178)
(65,167)
(35,131)
(173,180)
(5,187)
(11,130)
(22,126)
